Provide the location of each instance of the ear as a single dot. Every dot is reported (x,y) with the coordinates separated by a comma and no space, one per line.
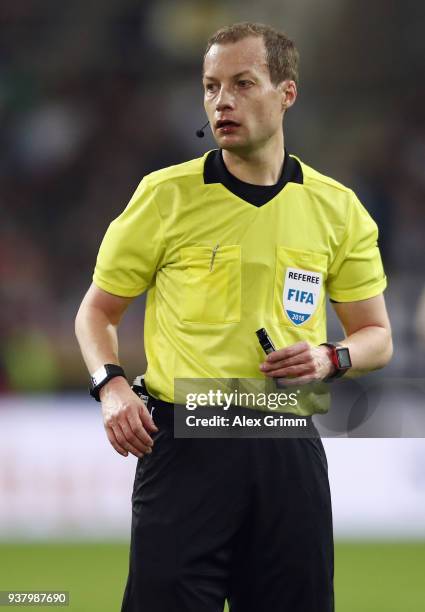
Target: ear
(288,90)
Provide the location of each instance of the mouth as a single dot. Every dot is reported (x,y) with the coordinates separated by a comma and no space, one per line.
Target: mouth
(226,125)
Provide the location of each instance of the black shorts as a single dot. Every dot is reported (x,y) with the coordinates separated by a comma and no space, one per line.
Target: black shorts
(243,519)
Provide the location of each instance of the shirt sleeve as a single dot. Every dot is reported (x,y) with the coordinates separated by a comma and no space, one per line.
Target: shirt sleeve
(132,248)
(357,272)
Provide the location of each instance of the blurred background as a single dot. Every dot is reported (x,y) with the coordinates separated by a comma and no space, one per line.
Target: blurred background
(92,97)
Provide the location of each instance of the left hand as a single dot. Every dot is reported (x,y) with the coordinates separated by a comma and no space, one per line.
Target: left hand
(299,364)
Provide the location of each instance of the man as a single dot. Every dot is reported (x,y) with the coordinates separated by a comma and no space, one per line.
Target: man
(242,238)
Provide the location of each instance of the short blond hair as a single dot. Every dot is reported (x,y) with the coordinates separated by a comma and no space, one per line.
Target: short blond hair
(281,54)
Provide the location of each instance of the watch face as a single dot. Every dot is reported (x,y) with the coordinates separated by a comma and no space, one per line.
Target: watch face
(344,360)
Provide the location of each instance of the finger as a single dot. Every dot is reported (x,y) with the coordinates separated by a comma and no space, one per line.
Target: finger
(147,420)
(124,443)
(114,442)
(303,357)
(136,425)
(293,371)
(133,439)
(288,351)
(299,380)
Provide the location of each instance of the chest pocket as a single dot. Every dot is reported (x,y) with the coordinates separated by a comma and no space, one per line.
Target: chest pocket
(299,294)
(211,291)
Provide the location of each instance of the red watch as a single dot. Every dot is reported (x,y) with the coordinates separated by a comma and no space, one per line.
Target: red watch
(340,356)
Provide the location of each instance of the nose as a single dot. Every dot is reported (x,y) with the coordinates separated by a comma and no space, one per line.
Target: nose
(225,99)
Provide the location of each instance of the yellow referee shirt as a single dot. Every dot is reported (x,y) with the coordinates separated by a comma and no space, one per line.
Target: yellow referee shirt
(217,268)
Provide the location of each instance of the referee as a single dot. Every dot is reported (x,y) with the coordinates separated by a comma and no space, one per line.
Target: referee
(243,238)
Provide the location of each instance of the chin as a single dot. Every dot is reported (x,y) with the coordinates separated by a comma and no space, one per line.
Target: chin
(228,144)
(238,148)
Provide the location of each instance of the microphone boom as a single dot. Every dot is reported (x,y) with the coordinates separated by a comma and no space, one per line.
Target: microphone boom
(200,133)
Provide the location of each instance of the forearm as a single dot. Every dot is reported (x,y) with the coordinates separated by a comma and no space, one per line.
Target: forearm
(370,349)
(97,337)
(126,419)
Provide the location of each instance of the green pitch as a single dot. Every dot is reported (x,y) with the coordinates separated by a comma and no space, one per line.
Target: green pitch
(369,577)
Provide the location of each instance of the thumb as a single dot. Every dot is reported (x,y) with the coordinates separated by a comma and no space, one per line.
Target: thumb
(148,417)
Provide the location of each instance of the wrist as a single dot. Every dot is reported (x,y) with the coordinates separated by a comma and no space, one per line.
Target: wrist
(340,359)
(115,384)
(329,365)
(102,376)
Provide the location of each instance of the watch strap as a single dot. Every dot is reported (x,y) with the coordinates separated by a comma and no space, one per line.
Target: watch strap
(102,376)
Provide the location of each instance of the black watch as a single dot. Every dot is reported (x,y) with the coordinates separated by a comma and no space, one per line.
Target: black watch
(340,356)
(103,375)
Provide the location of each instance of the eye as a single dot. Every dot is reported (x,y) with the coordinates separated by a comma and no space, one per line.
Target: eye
(210,87)
(245,83)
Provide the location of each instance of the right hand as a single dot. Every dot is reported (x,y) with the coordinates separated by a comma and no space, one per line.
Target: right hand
(126,419)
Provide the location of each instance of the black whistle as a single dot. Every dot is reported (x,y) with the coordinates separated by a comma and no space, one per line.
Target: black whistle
(268,347)
(265,341)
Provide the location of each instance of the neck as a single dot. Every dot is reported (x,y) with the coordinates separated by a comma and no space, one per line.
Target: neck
(260,167)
